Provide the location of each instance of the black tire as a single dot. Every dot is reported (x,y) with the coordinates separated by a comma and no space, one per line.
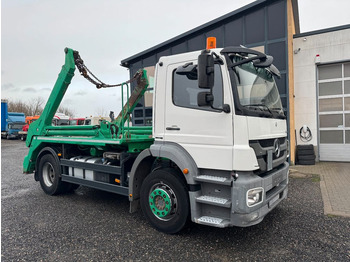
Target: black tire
(307,157)
(305,147)
(305,152)
(49,176)
(168,194)
(306,162)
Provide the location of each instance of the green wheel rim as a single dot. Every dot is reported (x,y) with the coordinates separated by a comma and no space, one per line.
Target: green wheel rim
(160,202)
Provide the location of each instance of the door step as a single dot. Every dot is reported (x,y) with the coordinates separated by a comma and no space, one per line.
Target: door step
(212,221)
(216,201)
(214,179)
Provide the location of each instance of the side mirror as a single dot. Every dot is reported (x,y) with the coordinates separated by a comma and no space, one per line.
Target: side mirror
(275,71)
(204,99)
(205,70)
(188,70)
(266,62)
(207,99)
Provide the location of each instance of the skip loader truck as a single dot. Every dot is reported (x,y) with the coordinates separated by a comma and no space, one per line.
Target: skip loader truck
(216,153)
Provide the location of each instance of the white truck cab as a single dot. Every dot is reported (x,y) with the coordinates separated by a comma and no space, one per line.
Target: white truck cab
(232,132)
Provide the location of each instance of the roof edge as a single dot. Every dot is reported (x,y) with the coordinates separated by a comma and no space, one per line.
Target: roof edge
(322,31)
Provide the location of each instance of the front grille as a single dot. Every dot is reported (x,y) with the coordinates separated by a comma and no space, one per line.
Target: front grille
(268,142)
(263,147)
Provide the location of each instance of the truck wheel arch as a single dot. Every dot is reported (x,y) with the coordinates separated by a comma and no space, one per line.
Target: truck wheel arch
(44,151)
(140,169)
(144,162)
(179,156)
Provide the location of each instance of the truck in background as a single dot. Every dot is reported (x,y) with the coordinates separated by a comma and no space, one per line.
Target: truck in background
(4,116)
(77,121)
(24,132)
(95,120)
(15,122)
(60,119)
(216,153)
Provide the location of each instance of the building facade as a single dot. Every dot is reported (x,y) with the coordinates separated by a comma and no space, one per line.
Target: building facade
(322,91)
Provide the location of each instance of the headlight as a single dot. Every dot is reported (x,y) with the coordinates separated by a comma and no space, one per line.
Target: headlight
(254,196)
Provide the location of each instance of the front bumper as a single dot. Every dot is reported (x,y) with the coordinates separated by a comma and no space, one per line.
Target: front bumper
(275,185)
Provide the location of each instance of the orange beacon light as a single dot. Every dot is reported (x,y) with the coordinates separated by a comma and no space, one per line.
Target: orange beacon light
(211,42)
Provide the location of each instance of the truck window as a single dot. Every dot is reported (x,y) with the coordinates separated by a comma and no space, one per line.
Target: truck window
(185,91)
(73,122)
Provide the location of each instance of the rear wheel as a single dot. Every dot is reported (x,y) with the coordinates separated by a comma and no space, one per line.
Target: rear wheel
(49,176)
(164,200)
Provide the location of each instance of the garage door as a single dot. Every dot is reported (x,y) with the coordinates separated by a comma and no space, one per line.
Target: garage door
(334,111)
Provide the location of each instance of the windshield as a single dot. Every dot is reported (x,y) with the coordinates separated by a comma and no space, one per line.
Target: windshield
(257,90)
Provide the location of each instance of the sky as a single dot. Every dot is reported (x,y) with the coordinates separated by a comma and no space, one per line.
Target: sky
(34,34)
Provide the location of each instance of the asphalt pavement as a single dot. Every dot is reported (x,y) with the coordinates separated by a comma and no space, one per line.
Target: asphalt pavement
(91,225)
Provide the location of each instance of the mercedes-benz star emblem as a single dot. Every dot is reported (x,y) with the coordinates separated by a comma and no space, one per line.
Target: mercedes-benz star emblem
(277,147)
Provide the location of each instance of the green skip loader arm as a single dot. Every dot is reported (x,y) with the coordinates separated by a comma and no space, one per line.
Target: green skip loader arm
(134,138)
(37,128)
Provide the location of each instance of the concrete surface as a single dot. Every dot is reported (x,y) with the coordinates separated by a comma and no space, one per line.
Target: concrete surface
(334,183)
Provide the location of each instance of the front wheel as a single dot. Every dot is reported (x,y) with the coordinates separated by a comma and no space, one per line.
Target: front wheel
(164,200)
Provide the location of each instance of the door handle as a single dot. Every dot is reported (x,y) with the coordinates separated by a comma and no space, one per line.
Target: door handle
(173,128)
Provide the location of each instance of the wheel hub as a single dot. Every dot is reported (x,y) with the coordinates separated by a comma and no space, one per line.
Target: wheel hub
(48,174)
(160,202)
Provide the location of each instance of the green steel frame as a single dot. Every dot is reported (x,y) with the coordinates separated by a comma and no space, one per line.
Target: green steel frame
(115,134)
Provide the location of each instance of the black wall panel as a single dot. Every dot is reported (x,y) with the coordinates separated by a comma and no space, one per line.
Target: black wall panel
(150,61)
(276,20)
(255,27)
(234,33)
(279,53)
(180,48)
(196,43)
(166,52)
(282,84)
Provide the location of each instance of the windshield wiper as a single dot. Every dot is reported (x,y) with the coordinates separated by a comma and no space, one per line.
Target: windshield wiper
(258,105)
(276,109)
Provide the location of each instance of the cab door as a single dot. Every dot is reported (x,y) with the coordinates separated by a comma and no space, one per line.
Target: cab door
(204,132)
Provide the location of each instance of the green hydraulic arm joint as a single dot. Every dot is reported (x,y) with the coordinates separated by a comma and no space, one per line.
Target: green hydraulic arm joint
(136,95)
(38,127)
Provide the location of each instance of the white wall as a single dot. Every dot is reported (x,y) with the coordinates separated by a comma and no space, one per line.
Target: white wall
(332,47)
